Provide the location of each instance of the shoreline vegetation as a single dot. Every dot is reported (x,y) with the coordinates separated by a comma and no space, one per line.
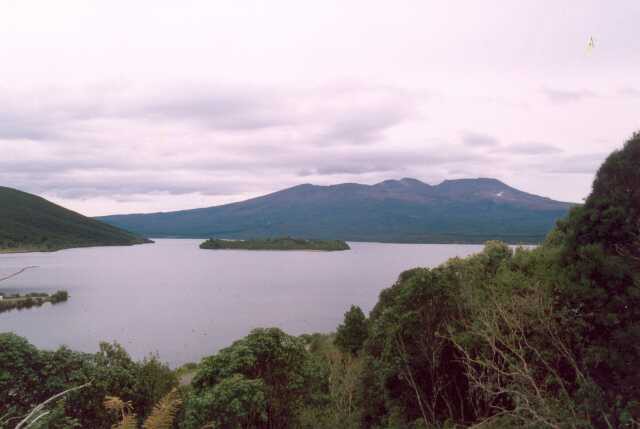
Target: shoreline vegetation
(49,247)
(281,243)
(16,301)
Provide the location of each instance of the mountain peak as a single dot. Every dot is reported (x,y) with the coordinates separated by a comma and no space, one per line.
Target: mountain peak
(412,181)
(404,182)
(478,181)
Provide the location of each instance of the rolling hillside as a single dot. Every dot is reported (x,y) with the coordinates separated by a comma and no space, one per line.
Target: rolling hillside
(407,210)
(28,222)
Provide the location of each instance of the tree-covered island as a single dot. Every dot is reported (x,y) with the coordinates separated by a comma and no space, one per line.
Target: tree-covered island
(281,243)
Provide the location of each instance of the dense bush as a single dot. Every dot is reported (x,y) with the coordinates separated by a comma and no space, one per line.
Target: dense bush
(29,376)
(599,287)
(548,337)
(59,296)
(351,335)
(260,381)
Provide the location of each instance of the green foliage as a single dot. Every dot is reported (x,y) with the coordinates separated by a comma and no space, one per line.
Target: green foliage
(599,290)
(533,338)
(31,223)
(282,243)
(412,370)
(20,367)
(336,399)
(57,419)
(59,296)
(235,401)
(161,417)
(260,381)
(29,376)
(352,333)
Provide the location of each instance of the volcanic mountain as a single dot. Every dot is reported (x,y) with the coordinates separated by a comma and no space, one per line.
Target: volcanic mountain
(404,211)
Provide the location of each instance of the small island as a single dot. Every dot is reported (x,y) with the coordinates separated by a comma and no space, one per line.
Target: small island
(281,243)
(18,302)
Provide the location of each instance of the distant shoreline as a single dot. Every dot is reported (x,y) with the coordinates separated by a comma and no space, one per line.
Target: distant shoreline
(7,251)
(470,242)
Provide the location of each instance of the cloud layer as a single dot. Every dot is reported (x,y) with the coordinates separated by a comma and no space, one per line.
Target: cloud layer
(209,104)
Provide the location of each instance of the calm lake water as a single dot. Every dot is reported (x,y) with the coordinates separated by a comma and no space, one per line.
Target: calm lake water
(185,303)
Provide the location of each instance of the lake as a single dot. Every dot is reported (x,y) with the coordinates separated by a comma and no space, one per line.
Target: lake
(185,303)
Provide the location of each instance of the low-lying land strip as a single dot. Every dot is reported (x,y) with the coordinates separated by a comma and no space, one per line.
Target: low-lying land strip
(284,243)
(18,302)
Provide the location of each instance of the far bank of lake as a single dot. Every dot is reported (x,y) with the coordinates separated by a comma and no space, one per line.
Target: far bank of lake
(185,303)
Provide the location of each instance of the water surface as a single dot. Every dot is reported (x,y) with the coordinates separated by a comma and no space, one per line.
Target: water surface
(185,303)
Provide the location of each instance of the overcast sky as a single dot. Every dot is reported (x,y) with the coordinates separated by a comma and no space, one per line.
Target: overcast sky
(138,106)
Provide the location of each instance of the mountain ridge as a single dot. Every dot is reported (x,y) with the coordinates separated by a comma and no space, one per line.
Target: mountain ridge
(404,210)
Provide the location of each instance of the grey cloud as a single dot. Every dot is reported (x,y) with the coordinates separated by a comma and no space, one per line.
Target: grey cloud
(629,92)
(121,187)
(576,164)
(384,162)
(43,114)
(14,125)
(52,165)
(95,176)
(531,148)
(479,140)
(217,108)
(567,96)
(354,168)
(364,122)
(362,127)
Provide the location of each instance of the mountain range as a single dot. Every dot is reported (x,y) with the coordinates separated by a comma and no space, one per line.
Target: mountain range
(404,211)
(31,223)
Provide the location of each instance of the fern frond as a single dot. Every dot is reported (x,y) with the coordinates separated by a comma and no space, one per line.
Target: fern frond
(125,409)
(113,403)
(164,412)
(128,422)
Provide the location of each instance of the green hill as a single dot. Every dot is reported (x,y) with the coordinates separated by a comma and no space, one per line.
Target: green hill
(31,223)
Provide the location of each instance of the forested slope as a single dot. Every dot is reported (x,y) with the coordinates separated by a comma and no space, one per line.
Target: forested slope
(29,222)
